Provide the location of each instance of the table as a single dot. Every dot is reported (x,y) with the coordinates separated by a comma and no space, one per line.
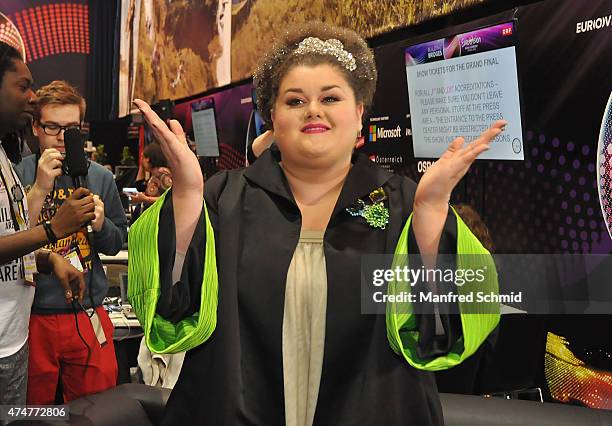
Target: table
(120,258)
(126,339)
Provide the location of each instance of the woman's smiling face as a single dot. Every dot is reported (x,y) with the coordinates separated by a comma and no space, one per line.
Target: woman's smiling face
(316,117)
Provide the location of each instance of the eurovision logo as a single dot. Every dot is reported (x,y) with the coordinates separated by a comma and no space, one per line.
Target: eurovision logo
(593,24)
(604,162)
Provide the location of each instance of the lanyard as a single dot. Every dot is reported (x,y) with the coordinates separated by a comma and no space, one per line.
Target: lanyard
(15,195)
(14,192)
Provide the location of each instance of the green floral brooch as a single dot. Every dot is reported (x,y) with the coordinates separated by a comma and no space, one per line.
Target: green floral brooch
(375,214)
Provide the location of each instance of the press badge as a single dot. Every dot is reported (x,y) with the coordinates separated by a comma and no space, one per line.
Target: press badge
(97,326)
(75,260)
(29,268)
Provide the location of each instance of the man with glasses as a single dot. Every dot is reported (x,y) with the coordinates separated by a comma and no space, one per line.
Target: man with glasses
(73,344)
(18,242)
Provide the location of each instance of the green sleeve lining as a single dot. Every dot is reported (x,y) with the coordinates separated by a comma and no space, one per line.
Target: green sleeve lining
(402,331)
(163,336)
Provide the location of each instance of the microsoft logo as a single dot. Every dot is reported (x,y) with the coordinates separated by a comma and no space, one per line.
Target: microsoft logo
(372,133)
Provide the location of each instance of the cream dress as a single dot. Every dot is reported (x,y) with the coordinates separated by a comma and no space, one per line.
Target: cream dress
(304,328)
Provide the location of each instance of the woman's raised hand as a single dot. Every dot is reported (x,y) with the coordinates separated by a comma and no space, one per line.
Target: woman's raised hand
(186,173)
(188,183)
(435,187)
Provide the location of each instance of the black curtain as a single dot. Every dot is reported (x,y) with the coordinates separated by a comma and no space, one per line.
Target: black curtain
(103,59)
(114,135)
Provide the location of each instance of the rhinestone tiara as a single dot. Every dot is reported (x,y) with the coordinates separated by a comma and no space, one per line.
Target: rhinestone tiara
(333,47)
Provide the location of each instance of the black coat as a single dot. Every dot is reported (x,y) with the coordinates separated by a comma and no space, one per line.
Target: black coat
(236,377)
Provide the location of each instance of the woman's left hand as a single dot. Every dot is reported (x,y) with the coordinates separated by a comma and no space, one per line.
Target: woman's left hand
(434,190)
(435,187)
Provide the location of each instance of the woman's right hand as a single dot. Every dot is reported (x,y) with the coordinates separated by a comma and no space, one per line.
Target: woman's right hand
(188,182)
(186,172)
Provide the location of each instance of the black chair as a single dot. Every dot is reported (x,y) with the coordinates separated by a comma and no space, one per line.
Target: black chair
(135,404)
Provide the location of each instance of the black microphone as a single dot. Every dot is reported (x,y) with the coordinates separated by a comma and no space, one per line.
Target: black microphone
(75,162)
